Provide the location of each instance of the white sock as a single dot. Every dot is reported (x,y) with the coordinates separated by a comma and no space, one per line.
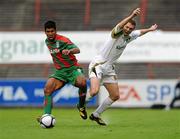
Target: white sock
(106,104)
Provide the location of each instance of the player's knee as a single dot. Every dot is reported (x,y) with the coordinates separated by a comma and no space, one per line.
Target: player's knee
(47,91)
(81,83)
(115,97)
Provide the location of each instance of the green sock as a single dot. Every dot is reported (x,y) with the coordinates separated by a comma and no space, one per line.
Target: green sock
(47,104)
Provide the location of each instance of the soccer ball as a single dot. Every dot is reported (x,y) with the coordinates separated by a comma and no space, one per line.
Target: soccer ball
(47,121)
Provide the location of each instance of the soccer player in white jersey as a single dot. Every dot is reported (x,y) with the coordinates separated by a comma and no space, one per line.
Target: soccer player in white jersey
(101,68)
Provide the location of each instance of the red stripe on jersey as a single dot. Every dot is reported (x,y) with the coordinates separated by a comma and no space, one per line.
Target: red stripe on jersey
(71,56)
(63,39)
(62,60)
(59,60)
(75,62)
(56,64)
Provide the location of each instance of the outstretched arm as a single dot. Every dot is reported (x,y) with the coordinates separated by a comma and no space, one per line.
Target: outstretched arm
(131,16)
(152,28)
(121,24)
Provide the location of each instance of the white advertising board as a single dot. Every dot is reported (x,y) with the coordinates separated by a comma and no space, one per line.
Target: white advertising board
(156,46)
(29,47)
(142,93)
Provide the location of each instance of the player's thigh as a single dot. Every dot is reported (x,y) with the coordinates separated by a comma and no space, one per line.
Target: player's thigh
(52,84)
(113,90)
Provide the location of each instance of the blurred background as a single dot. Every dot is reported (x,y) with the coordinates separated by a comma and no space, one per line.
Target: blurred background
(147,72)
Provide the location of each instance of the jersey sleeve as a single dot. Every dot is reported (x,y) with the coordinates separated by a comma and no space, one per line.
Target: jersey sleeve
(71,46)
(116,31)
(135,34)
(68,42)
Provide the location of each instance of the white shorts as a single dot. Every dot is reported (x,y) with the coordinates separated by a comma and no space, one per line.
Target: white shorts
(105,72)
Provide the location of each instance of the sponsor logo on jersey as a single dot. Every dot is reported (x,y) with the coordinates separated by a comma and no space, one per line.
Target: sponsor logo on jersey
(119,47)
(54,51)
(57,44)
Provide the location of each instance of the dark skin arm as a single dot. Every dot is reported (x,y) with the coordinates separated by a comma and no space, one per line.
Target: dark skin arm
(71,51)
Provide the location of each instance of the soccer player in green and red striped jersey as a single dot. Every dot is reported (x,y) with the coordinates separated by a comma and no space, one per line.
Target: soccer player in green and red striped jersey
(67,68)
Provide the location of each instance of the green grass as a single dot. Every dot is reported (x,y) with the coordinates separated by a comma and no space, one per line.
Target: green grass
(123,124)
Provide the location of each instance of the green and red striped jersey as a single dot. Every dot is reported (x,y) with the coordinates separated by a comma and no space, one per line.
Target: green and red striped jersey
(60,43)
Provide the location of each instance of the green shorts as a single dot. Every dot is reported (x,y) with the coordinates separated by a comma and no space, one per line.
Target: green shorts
(68,74)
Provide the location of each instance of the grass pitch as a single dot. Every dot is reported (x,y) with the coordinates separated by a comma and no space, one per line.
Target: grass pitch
(123,124)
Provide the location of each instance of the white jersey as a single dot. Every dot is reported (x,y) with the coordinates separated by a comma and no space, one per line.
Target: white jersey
(114,47)
(102,66)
